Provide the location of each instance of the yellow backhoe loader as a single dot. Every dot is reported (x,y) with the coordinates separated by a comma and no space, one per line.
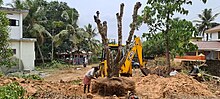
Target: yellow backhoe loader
(126,68)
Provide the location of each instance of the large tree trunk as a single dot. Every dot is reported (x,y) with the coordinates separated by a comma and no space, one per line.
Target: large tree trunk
(114,64)
(167,42)
(167,52)
(41,55)
(119,53)
(131,33)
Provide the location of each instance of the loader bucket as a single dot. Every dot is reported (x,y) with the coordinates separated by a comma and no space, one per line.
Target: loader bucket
(145,71)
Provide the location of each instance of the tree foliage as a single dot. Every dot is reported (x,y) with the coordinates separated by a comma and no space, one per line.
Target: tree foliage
(53,24)
(154,44)
(158,15)
(5,51)
(179,39)
(18,4)
(90,43)
(1,2)
(180,35)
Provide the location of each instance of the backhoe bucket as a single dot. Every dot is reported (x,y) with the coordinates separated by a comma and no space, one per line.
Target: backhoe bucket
(145,71)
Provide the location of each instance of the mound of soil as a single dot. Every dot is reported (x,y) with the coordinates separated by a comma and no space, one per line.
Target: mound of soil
(118,86)
(178,86)
(43,89)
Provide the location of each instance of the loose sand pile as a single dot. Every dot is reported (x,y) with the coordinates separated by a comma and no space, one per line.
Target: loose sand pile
(179,86)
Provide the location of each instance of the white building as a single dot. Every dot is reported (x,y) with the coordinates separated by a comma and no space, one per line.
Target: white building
(213,33)
(210,44)
(23,48)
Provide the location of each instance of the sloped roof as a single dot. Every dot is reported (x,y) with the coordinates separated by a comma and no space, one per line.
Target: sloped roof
(13,10)
(213,30)
(208,45)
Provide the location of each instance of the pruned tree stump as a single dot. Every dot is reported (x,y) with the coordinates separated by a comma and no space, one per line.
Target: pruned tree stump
(118,86)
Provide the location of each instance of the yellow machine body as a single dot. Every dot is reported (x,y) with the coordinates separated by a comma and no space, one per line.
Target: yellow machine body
(126,68)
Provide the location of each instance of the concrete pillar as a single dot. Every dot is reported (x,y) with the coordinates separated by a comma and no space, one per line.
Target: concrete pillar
(197,53)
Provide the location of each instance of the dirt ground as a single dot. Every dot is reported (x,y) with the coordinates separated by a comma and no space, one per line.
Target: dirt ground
(67,84)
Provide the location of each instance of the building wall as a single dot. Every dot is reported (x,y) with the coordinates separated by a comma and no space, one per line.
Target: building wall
(25,52)
(28,55)
(214,36)
(22,47)
(15,32)
(15,46)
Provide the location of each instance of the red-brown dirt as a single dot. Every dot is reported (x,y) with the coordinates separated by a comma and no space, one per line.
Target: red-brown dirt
(178,86)
(60,85)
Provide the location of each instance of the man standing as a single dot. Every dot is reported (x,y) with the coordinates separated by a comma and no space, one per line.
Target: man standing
(88,76)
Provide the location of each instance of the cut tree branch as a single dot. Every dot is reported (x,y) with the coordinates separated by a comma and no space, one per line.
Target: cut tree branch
(134,22)
(119,52)
(131,33)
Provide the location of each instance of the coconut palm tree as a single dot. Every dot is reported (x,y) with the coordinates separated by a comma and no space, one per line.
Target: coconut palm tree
(206,21)
(90,44)
(18,4)
(72,32)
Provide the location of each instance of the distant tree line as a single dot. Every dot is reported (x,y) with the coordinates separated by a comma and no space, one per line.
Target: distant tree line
(54,25)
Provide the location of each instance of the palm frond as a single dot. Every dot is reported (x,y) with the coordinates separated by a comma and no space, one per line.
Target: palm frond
(41,30)
(60,37)
(214,16)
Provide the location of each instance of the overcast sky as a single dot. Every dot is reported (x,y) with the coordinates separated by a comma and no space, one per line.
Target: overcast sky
(108,9)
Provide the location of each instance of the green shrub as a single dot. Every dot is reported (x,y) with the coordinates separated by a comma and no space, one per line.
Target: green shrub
(12,91)
(94,59)
(54,64)
(77,82)
(1,74)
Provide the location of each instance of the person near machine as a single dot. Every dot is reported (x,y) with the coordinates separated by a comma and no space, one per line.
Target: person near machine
(88,76)
(195,70)
(173,72)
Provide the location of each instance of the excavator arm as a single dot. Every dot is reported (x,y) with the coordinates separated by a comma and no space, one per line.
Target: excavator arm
(126,68)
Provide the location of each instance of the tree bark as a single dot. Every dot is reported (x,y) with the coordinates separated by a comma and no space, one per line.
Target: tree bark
(134,22)
(52,50)
(52,45)
(115,65)
(119,52)
(167,41)
(102,28)
(41,55)
(131,33)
